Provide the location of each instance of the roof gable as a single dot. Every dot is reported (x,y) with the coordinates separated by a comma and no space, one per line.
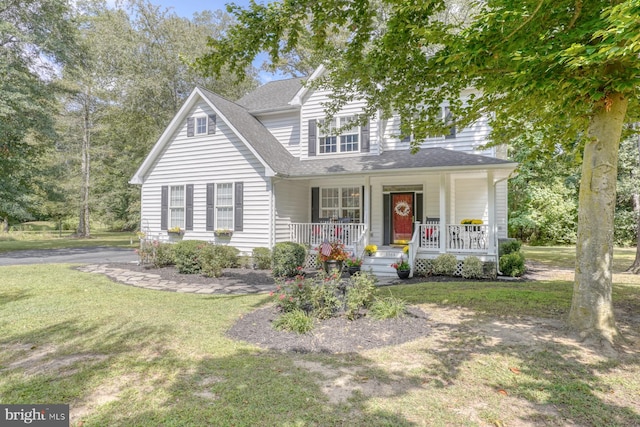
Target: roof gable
(250,131)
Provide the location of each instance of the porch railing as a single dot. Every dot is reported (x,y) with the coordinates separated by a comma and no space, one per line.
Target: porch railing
(313,234)
(458,238)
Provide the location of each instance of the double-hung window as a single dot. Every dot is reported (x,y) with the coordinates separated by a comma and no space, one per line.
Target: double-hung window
(176,206)
(328,137)
(344,202)
(349,137)
(224,206)
(331,141)
(201,125)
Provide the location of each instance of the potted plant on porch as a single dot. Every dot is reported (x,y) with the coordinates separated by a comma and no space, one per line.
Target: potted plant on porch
(403,269)
(332,255)
(353,265)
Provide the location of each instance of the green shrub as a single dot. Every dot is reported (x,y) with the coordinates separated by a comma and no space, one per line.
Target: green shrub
(489,270)
(512,264)
(445,265)
(472,268)
(211,264)
(163,255)
(294,321)
(388,308)
(186,254)
(262,258)
(316,296)
(323,297)
(509,246)
(287,257)
(359,294)
(227,255)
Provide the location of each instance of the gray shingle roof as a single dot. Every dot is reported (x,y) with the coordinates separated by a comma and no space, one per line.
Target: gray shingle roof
(262,141)
(285,164)
(395,160)
(272,96)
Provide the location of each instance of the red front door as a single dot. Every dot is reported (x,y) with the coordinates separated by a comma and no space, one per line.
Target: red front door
(401,218)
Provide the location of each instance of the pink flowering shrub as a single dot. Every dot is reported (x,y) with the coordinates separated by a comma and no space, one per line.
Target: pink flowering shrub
(316,296)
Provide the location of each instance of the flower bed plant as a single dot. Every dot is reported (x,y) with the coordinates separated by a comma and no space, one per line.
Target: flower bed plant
(321,297)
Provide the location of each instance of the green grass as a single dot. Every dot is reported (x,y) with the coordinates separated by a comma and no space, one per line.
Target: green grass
(565,256)
(544,299)
(125,356)
(17,240)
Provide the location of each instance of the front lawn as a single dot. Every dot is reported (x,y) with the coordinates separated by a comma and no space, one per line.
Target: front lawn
(22,240)
(121,355)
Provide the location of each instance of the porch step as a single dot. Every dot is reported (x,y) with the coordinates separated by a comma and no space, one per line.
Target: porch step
(379,264)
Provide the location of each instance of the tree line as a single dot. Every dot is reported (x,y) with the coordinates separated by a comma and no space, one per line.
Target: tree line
(85,91)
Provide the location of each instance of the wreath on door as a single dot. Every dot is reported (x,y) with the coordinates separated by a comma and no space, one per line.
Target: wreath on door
(402,208)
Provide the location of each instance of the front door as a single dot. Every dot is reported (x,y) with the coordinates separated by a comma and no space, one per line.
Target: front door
(402,217)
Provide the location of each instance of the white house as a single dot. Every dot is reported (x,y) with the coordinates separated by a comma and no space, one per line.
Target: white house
(265,169)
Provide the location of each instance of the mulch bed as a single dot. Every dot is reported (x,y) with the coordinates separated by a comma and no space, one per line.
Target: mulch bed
(335,335)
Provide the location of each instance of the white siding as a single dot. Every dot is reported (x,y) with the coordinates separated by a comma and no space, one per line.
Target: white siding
(202,159)
(470,200)
(293,204)
(285,127)
(467,139)
(314,108)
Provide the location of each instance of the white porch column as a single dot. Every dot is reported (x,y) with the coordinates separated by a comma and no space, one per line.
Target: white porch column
(444,232)
(491,201)
(366,213)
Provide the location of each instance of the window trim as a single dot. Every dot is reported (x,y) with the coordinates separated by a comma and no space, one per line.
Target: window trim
(216,206)
(340,207)
(171,207)
(338,141)
(196,127)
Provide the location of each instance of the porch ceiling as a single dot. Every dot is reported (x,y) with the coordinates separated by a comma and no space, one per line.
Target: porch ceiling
(427,159)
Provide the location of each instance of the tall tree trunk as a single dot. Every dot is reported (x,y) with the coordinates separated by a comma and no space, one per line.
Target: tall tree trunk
(591,308)
(635,267)
(5,224)
(83,224)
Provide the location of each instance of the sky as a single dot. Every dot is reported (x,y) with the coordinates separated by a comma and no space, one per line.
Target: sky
(186,9)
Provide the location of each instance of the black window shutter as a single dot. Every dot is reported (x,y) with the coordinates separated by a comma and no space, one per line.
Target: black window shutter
(362,204)
(210,207)
(238,211)
(315,204)
(312,138)
(190,126)
(419,210)
(188,217)
(364,138)
(386,215)
(212,124)
(164,207)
